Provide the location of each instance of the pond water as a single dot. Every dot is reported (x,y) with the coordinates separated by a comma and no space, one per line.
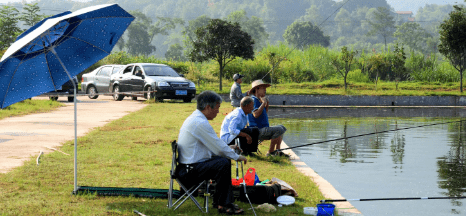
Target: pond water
(420,162)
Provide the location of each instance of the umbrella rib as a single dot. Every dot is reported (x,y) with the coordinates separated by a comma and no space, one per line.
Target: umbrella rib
(48,68)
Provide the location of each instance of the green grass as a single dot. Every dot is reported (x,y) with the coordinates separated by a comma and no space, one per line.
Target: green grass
(133,151)
(29,106)
(337,87)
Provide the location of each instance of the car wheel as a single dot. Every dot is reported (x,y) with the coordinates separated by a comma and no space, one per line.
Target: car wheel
(187,100)
(134,98)
(116,96)
(53,98)
(70,99)
(92,92)
(159,99)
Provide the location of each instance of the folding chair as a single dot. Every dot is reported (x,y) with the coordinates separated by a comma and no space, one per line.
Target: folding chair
(188,193)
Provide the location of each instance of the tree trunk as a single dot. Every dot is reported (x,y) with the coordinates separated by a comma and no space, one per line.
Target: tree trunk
(385,39)
(221,74)
(346,84)
(461,80)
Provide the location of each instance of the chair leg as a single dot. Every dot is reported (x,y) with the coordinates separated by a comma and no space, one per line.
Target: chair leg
(189,194)
(207,195)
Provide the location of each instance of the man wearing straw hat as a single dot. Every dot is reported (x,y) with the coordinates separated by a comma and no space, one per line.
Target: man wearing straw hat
(259,118)
(235,92)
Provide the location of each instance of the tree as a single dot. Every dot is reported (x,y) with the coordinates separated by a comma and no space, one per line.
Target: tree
(189,31)
(453,40)
(383,24)
(303,34)
(343,63)
(9,29)
(413,35)
(254,26)
(141,32)
(344,23)
(30,17)
(221,41)
(175,52)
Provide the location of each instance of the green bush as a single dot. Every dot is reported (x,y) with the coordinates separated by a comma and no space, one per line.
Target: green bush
(357,76)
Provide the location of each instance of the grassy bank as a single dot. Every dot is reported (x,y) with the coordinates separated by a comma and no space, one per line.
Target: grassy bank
(337,87)
(133,151)
(29,106)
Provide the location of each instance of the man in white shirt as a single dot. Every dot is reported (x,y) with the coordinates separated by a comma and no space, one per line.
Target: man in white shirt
(202,155)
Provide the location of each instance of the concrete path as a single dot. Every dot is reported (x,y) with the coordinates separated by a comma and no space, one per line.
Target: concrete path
(25,136)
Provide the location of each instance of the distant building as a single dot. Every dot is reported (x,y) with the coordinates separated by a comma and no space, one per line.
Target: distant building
(405,16)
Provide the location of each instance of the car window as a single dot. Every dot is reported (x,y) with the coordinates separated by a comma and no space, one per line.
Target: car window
(128,69)
(156,70)
(116,69)
(99,72)
(136,69)
(105,71)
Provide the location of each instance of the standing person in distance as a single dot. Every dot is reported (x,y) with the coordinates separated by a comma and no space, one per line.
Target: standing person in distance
(235,92)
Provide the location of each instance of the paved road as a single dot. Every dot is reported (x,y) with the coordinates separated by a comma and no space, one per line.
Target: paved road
(25,136)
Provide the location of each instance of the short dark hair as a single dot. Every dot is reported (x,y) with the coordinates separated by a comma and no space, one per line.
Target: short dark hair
(246,101)
(208,98)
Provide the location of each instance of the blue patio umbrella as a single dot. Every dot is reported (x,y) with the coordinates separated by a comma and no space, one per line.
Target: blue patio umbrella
(48,54)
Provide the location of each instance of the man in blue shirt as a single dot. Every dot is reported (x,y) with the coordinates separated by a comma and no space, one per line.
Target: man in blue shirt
(259,118)
(234,124)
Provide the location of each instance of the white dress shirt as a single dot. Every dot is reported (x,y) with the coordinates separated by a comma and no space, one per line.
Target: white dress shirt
(232,124)
(197,141)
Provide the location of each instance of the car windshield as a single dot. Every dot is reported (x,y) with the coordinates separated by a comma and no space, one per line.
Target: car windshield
(154,70)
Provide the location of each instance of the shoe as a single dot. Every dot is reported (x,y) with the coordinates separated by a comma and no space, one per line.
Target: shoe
(231,209)
(283,154)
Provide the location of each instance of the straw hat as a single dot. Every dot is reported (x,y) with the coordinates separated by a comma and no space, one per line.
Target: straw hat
(256,84)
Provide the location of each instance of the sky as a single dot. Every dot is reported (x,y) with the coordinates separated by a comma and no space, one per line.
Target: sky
(414,5)
(398,5)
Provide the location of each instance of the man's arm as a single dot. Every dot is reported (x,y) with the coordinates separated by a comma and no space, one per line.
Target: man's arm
(206,134)
(258,112)
(235,123)
(238,92)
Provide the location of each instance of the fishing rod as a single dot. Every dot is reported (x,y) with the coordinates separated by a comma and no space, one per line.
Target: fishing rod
(281,59)
(239,150)
(403,198)
(373,133)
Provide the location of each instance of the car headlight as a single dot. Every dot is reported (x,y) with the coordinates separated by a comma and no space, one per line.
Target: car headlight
(192,85)
(163,84)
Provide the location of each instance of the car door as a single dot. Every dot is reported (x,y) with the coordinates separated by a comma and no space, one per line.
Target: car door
(125,79)
(137,82)
(102,79)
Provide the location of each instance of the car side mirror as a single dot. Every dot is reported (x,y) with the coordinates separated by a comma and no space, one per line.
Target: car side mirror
(181,75)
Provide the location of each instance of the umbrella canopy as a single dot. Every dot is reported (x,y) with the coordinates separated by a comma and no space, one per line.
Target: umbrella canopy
(48,54)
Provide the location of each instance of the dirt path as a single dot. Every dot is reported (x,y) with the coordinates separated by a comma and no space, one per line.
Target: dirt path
(25,136)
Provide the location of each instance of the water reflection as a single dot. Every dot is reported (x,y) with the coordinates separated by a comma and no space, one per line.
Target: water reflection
(451,168)
(419,162)
(397,148)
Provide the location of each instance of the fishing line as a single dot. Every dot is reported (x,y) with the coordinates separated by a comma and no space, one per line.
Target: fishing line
(373,133)
(403,198)
(278,62)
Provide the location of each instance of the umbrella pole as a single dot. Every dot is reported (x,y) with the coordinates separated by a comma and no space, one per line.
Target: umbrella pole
(75,190)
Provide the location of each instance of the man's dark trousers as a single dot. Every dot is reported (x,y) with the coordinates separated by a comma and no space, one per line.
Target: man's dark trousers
(248,148)
(218,169)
